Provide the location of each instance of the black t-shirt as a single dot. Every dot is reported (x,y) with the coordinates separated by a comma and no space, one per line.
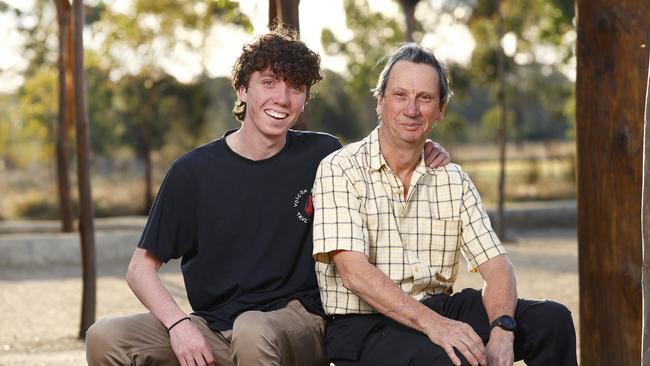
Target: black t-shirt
(242,227)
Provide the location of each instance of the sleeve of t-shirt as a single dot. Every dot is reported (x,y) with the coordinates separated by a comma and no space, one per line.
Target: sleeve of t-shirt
(337,220)
(171,228)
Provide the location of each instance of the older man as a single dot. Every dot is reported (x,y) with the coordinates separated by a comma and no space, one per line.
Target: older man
(388,232)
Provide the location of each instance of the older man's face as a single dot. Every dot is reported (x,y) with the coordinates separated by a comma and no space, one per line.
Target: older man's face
(411,104)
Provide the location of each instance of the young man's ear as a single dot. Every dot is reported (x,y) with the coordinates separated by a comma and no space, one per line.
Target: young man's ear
(241,93)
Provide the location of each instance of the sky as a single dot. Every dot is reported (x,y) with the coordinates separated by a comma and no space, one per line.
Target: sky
(452,42)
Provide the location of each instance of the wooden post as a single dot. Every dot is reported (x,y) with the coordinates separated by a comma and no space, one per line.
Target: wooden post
(645,227)
(610,99)
(86,225)
(64,20)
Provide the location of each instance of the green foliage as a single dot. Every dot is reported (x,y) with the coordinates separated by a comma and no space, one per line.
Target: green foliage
(36,115)
(154,107)
(7,125)
(452,129)
(221,98)
(93,13)
(536,93)
(374,36)
(39,29)
(490,124)
(105,128)
(331,109)
(155,28)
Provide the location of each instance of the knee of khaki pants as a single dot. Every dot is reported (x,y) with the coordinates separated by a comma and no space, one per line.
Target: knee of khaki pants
(254,334)
(128,339)
(288,336)
(99,340)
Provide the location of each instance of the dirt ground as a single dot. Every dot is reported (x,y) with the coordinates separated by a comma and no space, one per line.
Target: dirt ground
(40,307)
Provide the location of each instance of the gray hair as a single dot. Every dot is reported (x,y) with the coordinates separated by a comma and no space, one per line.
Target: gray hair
(414,52)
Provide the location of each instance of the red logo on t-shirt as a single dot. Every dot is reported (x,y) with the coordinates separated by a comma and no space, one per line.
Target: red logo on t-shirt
(303,205)
(309,207)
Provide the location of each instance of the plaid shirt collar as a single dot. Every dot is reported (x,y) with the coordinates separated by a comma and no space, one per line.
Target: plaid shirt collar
(377,160)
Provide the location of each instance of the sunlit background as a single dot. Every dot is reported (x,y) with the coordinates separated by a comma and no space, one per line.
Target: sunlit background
(157,79)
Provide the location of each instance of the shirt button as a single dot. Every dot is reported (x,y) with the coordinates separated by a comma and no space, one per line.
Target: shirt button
(417,269)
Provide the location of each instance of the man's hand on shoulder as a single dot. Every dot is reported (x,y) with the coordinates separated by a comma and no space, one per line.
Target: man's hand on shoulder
(500,351)
(435,156)
(454,335)
(190,346)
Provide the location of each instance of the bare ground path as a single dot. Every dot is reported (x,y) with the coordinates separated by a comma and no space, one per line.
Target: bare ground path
(40,304)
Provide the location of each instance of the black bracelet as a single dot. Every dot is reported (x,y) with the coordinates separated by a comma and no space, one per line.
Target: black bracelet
(178,321)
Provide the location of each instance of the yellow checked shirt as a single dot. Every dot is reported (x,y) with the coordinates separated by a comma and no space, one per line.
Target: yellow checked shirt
(359,205)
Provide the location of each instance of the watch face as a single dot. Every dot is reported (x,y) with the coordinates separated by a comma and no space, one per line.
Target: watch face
(505,322)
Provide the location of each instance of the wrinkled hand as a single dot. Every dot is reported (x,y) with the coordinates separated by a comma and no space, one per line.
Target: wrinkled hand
(500,349)
(190,346)
(451,334)
(435,155)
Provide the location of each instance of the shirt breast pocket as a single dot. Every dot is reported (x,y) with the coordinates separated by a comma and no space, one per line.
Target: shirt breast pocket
(438,254)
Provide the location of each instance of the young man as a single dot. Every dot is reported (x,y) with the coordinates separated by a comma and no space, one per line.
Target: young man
(388,232)
(238,212)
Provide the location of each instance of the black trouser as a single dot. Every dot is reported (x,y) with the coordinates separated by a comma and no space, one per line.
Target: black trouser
(545,334)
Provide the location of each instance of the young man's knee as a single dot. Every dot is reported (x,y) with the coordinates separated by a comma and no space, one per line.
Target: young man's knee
(252,326)
(100,338)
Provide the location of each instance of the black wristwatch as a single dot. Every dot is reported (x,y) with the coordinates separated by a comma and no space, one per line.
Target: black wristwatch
(505,322)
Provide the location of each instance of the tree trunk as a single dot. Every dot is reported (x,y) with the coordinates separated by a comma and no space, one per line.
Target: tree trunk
(502,131)
(62,165)
(86,225)
(408,6)
(645,227)
(612,73)
(284,12)
(273,14)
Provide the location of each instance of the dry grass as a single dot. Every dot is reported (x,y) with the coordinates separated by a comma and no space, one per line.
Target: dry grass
(33,195)
(544,171)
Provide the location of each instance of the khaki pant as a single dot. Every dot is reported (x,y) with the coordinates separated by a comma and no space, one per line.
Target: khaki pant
(290,336)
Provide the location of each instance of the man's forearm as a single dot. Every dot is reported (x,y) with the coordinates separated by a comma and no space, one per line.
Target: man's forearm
(143,279)
(375,288)
(500,290)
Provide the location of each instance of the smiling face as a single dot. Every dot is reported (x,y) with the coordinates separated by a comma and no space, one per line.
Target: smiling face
(272,104)
(410,105)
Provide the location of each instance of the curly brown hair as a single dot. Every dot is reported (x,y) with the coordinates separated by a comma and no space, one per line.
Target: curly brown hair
(287,56)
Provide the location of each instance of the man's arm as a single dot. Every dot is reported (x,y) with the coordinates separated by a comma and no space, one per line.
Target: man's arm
(188,343)
(375,288)
(499,298)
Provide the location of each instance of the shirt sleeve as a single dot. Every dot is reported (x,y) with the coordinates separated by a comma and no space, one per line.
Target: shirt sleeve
(171,227)
(337,220)
(480,242)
